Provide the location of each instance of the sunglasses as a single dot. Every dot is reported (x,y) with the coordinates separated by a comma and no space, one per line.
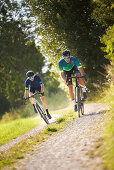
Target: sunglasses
(66,58)
(31,77)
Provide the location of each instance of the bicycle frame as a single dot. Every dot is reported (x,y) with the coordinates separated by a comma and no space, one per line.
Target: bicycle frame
(39,108)
(78,96)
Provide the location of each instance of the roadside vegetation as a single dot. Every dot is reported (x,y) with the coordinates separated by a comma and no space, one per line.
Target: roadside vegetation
(107,144)
(108,140)
(104,147)
(13,129)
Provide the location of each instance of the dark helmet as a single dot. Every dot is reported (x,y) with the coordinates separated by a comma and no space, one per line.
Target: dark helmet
(65,53)
(30,73)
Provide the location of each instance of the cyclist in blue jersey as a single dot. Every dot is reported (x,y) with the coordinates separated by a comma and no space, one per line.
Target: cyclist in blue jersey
(34,83)
(70,65)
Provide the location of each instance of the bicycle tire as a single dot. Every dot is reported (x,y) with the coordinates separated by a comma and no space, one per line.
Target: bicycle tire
(78,101)
(42,112)
(82,108)
(82,103)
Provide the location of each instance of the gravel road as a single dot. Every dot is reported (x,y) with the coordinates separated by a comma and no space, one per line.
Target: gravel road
(67,149)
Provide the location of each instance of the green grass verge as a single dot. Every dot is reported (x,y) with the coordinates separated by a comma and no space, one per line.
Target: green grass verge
(108,145)
(15,128)
(104,147)
(7,159)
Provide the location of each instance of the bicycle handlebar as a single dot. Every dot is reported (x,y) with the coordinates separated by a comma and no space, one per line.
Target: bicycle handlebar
(32,95)
(77,77)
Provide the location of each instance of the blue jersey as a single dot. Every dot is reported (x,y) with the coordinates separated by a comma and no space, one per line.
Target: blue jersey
(35,83)
(64,66)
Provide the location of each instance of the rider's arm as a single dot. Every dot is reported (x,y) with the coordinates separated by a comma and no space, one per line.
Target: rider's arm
(82,71)
(26,94)
(42,87)
(26,90)
(64,78)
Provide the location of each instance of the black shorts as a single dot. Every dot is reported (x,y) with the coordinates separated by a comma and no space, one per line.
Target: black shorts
(67,74)
(38,89)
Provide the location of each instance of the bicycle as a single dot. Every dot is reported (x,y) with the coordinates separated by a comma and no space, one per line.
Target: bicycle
(39,108)
(78,93)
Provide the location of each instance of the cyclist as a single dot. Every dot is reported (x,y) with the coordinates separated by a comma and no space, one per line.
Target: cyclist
(70,65)
(35,83)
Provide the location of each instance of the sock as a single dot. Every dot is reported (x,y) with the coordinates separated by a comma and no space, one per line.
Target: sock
(84,89)
(47,111)
(34,106)
(74,102)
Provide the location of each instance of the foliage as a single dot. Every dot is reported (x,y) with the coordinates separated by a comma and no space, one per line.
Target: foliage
(103,12)
(108,40)
(15,128)
(68,24)
(18,54)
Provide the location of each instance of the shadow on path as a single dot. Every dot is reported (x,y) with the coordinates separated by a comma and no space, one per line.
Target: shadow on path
(95,113)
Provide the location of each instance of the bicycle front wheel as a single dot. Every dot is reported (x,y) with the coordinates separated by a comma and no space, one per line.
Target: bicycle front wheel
(82,108)
(82,102)
(78,101)
(42,113)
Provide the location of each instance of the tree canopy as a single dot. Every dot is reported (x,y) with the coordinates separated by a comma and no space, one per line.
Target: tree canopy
(65,24)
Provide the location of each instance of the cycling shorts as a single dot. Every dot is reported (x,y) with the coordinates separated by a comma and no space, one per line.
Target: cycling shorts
(68,74)
(32,89)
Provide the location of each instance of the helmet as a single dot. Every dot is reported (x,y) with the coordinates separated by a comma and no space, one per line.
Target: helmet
(65,53)
(30,73)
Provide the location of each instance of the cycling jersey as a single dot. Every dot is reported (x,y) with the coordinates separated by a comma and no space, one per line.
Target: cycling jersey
(33,84)
(64,66)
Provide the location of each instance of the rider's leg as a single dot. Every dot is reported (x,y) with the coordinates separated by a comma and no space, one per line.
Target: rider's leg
(81,83)
(32,101)
(44,102)
(31,98)
(71,93)
(45,106)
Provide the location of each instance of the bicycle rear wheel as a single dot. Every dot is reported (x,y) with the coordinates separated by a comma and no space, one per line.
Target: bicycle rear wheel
(42,112)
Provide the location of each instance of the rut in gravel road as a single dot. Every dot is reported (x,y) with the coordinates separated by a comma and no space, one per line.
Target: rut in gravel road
(68,149)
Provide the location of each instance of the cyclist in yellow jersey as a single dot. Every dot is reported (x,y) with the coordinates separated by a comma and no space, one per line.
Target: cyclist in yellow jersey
(70,65)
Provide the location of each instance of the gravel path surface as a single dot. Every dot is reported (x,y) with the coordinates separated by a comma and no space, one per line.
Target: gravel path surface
(67,150)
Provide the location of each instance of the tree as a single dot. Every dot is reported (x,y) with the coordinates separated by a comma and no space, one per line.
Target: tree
(103,12)
(18,54)
(68,25)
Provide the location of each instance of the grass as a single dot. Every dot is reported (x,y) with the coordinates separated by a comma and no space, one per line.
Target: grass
(9,158)
(104,147)
(108,145)
(15,128)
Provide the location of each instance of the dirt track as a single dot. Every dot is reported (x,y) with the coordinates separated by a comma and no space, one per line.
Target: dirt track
(68,149)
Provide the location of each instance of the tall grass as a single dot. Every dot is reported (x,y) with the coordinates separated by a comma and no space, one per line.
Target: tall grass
(15,128)
(108,143)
